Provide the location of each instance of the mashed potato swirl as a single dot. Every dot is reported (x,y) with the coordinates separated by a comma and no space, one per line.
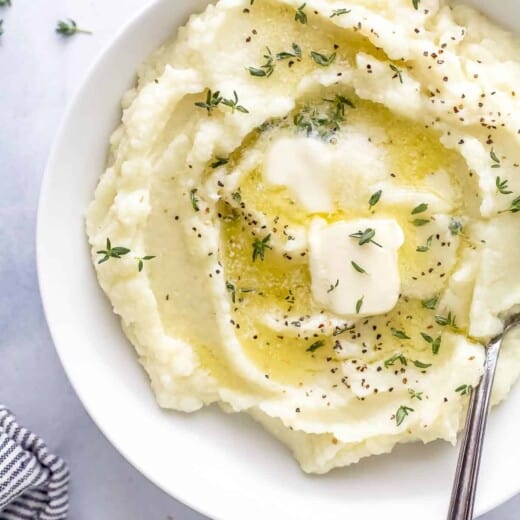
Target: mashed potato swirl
(311,214)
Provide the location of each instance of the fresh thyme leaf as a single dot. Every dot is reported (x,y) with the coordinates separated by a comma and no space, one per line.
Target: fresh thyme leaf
(427,247)
(323,60)
(495,159)
(366,237)
(285,55)
(259,247)
(315,346)
(464,389)
(142,260)
(333,286)
(266,70)
(359,304)
(341,330)
(502,186)
(69,28)
(446,321)
(259,73)
(415,395)
(515,206)
(233,104)
(402,413)
(427,337)
(420,364)
(398,72)
(300,15)
(213,100)
(421,208)
(358,268)
(430,303)
(455,226)
(419,222)
(436,345)
(339,12)
(375,198)
(415,4)
(390,362)
(232,289)
(399,334)
(112,252)
(194,200)
(219,161)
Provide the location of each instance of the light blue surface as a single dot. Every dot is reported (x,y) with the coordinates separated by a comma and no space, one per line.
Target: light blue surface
(39,72)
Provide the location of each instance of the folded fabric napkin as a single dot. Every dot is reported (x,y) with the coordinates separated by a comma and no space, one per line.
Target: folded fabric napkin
(33,482)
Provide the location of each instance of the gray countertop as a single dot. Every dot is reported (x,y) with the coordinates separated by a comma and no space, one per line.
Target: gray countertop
(40,71)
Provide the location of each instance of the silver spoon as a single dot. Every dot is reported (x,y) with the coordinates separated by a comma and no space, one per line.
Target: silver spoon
(466,476)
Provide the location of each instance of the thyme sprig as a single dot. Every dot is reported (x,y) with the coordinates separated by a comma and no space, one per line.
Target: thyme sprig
(402,413)
(69,28)
(112,252)
(339,12)
(366,237)
(259,247)
(300,15)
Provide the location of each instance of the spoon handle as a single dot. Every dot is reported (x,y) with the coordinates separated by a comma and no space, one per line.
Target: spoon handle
(465,483)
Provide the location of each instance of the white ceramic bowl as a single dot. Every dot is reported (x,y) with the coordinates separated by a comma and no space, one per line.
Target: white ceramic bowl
(224,466)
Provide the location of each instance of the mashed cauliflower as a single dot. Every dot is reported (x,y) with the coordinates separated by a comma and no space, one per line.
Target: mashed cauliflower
(311,214)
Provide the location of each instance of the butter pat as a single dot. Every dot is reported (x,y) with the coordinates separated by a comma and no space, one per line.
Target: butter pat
(337,284)
(301,165)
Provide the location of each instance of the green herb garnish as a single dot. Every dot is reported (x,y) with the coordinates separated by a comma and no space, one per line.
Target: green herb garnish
(515,206)
(265,70)
(446,321)
(232,289)
(341,330)
(396,357)
(366,237)
(464,389)
(259,247)
(69,28)
(5,3)
(435,343)
(375,198)
(398,73)
(430,303)
(502,186)
(219,161)
(399,334)
(339,12)
(112,252)
(333,286)
(420,364)
(323,60)
(233,104)
(421,208)
(415,4)
(194,200)
(455,226)
(142,260)
(300,15)
(401,413)
(284,55)
(359,304)
(358,268)
(415,395)
(419,222)
(213,100)
(315,346)
(495,159)
(427,247)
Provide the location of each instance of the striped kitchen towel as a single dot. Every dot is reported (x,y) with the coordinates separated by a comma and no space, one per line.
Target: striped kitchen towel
(33,482)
